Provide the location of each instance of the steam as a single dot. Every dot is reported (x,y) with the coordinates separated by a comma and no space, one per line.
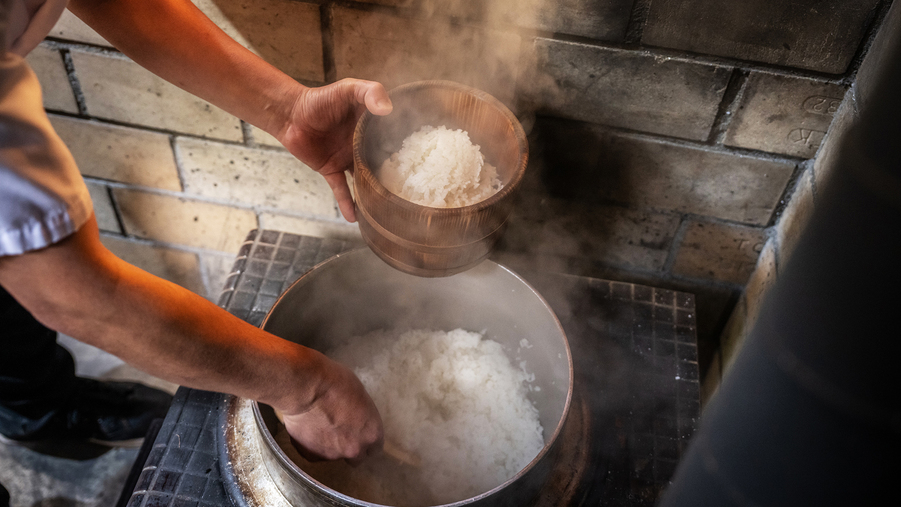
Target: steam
(486,44)
(558,225)
(491,45)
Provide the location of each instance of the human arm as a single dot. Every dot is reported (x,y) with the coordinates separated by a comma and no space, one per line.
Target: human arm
(80,288)
(176,41)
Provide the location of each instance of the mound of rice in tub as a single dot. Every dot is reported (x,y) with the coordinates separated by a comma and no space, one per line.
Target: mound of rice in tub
(454,400)
(440,168)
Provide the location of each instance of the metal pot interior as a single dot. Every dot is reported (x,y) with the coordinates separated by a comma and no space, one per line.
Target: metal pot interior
(355,293)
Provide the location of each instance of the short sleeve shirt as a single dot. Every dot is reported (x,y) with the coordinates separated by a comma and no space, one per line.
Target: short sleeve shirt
(43,197)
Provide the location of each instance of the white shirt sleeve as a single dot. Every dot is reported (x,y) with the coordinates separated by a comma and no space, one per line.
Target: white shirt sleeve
(43,197)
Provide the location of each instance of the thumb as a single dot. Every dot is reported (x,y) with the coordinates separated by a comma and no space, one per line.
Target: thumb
(375,97)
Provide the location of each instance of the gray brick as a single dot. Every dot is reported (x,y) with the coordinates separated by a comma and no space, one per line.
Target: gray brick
(609,235)
(120,154)
(820,35)
(272,179)
(285,33)
(718,251)
(69,27)
(588,163)
(263,138)
(118,89)
(625,89)
(56,91)
(177,266)
(782,114)
(185,222)
(597,19)
(395,50)
(103,207)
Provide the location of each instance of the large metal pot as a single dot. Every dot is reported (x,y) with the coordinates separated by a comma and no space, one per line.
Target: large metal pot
(355,293)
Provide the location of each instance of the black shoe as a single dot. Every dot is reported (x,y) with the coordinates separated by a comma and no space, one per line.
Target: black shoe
(4,497)
(114,414)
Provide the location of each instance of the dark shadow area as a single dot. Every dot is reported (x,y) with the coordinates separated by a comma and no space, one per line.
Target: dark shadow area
(58,502)
(566,221)
(72,450)
(579,163)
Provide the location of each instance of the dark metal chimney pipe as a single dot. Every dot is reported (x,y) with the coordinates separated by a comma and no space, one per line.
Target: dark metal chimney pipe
(810,413)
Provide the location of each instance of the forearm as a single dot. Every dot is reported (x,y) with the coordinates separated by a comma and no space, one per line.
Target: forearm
(81,289)
(174,334)
(176,41)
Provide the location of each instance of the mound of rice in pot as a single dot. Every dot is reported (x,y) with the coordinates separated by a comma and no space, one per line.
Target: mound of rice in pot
(452,398)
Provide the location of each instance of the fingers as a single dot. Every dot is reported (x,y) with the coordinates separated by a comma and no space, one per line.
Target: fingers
(338,183)
(305,453)
(374,96)
(370,451)
(343,421)
(344,434)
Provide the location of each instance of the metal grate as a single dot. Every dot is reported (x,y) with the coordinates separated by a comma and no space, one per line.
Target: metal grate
(267,264)
(182,468)
(635,355)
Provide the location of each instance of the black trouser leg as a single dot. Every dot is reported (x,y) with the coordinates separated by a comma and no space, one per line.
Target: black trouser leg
(36,373)
(4,497)
(41,400)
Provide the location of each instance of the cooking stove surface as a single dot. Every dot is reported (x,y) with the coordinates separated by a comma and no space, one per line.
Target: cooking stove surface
(635,400)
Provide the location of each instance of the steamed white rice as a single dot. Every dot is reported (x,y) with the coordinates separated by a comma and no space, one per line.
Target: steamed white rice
(452,398)
(440,168)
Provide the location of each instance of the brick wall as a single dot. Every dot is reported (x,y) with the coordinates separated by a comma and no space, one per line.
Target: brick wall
(667,137)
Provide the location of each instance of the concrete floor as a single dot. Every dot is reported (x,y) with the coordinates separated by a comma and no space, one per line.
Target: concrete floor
(75,477)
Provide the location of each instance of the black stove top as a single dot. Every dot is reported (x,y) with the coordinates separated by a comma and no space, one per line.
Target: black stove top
(636,395)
